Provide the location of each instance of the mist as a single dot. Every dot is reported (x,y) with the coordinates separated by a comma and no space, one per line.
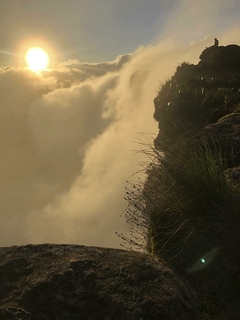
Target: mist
(68,141)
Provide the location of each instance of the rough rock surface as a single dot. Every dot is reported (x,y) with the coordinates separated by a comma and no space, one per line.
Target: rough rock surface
(206,95)
(228,56)
(225,132)
(69,282)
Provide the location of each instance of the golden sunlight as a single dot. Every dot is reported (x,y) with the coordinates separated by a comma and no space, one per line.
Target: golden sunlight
(37,58)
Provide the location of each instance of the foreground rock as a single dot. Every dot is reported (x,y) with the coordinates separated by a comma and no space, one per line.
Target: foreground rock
(77,282)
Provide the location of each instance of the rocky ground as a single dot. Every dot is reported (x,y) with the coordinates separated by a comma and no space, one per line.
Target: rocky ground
(75,282)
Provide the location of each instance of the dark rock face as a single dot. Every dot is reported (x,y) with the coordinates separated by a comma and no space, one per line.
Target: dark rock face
(199,95)
(226,133)
(198,108)
(228,56)
(73,282)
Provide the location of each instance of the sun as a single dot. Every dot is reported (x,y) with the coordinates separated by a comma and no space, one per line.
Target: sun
(37,59)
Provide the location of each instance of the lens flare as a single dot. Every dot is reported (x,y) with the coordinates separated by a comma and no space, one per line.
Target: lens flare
(204,261)
(37,58)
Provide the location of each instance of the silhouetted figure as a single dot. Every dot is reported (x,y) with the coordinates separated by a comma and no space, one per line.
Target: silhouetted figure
(216,42)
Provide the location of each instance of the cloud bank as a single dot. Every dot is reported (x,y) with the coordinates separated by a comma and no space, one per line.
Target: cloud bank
(67,139)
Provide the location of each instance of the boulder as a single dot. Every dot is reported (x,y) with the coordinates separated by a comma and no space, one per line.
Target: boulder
(72,282)
(225,132)
(228,56)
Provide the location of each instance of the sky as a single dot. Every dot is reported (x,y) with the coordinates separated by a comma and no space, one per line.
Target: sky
(69,135)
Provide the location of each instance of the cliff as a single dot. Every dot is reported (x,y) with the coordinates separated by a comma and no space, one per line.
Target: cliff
(199,95)
(193,191)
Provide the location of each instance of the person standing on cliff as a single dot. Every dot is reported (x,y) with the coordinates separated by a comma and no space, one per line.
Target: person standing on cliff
(216,42)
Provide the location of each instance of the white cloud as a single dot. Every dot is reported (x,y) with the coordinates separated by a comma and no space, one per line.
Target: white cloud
(73,71)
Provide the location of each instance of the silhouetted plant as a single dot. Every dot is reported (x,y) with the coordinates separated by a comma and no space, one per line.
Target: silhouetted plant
(185,209)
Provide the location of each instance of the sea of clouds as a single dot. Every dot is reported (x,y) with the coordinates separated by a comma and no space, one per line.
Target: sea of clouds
(68,138)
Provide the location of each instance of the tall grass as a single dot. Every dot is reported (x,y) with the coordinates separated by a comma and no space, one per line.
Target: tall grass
(187,209)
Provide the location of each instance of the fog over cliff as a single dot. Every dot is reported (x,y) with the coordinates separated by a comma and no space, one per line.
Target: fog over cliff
(67,142)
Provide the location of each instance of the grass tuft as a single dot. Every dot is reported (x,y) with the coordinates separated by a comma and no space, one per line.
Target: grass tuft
(187,213)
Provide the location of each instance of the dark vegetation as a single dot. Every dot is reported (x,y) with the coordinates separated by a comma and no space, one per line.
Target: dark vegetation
(187,212)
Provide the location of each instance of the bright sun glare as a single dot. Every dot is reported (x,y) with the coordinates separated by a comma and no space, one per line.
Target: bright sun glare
(37,58)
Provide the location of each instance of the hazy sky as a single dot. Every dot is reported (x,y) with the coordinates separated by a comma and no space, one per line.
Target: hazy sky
(96,30)
(67,135)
